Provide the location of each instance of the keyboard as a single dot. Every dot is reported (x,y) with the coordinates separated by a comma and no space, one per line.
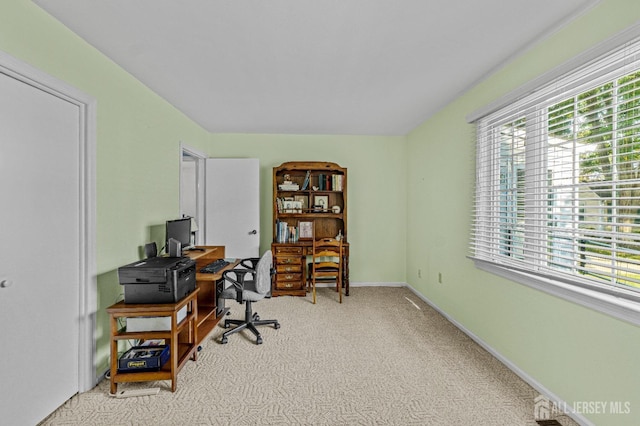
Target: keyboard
(214,266)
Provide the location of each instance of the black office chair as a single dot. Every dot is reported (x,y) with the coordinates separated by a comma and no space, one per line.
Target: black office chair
(248,285)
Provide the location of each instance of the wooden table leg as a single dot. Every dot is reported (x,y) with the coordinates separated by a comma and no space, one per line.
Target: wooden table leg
(345,274)
(114,355)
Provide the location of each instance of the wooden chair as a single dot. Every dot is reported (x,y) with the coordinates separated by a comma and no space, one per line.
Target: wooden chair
(326,263)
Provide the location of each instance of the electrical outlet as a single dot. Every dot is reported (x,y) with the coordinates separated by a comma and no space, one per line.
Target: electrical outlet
(439,277)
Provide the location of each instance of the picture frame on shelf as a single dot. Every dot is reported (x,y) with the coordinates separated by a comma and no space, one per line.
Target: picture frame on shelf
(306,230)
(304,202)
(321,202)
(288,206)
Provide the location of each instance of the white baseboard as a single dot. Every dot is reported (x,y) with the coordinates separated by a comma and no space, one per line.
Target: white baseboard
(362,284)
(376,284)
(578,417)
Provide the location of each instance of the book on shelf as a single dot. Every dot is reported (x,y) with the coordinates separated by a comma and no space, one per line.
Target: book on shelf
(293,234)
(307,177)
(287,233)
(333,182)
(281,231)
(336,182)
(289,187)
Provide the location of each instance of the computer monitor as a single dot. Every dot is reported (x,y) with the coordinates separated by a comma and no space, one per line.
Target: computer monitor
(180,229)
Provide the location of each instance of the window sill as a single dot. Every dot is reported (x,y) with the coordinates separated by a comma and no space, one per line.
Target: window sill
(617,307)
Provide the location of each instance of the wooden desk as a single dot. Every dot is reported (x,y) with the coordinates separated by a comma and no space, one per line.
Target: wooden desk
(290,261)
(208,313)
(182,338)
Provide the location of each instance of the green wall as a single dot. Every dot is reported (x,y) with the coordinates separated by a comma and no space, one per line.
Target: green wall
(576,353)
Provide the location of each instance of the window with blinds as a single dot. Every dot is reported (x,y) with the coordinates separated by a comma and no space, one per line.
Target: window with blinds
(558,179)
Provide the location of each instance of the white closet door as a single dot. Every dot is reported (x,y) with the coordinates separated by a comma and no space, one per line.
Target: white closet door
(233,205)
(39,251)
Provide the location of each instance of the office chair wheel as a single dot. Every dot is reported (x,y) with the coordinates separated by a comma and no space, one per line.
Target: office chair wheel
(276,325)
(224,340)
(259,340)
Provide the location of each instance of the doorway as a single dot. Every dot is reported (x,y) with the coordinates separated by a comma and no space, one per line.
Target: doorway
(223,195)
(192,187)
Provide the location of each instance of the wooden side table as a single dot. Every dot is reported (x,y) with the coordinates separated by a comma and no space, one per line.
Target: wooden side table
(182,338)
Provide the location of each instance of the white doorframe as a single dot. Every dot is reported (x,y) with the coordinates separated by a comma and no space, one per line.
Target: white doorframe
(200,158)
(86,104)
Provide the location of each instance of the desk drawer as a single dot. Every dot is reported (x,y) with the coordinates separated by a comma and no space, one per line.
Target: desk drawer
(289,282)
(288,268)
(288,250)
(294,276)
(288,260)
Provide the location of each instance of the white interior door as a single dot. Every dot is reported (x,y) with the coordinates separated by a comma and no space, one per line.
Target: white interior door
(233,205)
(39,251)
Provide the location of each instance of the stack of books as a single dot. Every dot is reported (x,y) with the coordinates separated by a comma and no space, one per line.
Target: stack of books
(286,233)
(288,186)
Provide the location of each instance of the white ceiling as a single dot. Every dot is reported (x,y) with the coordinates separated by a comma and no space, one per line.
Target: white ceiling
(367,67)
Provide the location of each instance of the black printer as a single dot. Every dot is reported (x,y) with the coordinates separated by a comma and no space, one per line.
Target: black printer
(158,279)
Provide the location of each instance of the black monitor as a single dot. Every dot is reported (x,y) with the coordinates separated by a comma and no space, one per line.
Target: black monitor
(180,229)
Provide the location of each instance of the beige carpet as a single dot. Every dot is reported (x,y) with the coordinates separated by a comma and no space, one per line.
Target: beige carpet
(374,360)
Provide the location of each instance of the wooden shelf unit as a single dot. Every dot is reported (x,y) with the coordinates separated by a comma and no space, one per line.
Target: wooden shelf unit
(290,254)
(185,337)
(181,338)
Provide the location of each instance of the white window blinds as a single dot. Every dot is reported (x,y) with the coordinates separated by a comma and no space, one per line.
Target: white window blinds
(558,179)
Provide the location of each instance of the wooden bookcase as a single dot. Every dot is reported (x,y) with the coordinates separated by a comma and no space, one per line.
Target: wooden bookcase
(319,206)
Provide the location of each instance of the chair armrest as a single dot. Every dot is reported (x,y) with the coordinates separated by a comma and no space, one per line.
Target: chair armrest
(250,262)
(237,280)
